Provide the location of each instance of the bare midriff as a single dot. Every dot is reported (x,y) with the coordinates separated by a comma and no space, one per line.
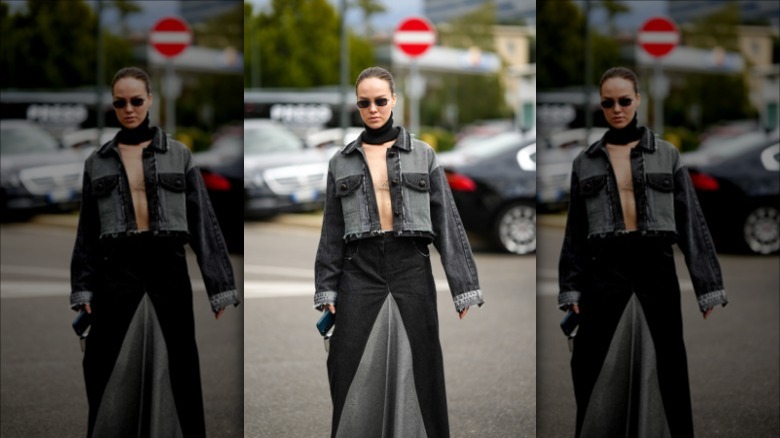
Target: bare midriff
(376,157)
(133,162)
(620,157)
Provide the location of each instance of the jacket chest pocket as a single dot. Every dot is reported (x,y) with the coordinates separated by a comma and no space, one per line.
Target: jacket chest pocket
(660,194)
(594,193)
(173,201)
(417,201)
(354,206)
(109,202)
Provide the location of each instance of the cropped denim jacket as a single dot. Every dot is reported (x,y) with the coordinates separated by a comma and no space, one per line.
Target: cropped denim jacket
(666,208)
(179,208)
(422,206)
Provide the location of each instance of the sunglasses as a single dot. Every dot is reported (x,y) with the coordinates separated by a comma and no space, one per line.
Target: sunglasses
(121,103)
(365,103)
(623,102)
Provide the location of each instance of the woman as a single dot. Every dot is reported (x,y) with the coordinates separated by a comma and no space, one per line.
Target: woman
(143,199)
(387,199)
(631,199)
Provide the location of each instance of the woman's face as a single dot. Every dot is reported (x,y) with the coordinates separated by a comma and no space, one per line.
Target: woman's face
(622,101)
(371,90)
(130,94)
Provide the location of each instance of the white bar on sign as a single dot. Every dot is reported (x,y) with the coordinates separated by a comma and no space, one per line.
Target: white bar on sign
(414,37)
(170,37)
(658,37)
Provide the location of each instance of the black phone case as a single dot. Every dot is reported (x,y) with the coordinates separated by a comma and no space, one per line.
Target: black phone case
(570,322)
(81,322)
(325,322)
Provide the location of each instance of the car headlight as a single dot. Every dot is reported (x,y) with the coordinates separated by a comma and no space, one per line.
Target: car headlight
(10,180)
(254,181)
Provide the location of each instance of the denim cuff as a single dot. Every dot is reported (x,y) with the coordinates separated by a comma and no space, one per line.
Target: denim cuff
(568,298)
(224,299)
(79,298)
(468,299)
(712,299)
(325,297)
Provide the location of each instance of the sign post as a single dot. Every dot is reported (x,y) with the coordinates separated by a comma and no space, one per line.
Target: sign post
(170,37)
(414,36)
(658,36)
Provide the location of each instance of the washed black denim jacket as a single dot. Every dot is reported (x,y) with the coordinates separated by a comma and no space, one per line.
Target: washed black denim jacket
(666,207)
(422,207)
(179,208)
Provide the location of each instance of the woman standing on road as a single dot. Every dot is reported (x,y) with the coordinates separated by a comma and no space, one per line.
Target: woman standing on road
(631,199)
(387,199)
(143,199)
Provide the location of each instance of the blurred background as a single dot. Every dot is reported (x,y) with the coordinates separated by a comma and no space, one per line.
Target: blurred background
(57,60)
(716,100)
(476,93)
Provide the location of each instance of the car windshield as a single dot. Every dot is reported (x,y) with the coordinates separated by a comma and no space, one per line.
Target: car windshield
(735,146)
(269,139)
(494,145)
(19,140)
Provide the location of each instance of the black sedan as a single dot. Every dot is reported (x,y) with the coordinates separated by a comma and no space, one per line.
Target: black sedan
(222,167)
(37,173)
(738,185)
(494,186)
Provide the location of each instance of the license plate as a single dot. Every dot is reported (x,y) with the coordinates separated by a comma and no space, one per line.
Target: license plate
(60,195)
(302,196)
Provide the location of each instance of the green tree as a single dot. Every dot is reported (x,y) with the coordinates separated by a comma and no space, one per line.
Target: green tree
(613,8)
(369,8)
(298,45)
(125,8)
(53,45)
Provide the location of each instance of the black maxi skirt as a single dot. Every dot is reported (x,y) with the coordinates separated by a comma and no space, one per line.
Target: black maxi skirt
(385,363)
(629,364)
(141,363)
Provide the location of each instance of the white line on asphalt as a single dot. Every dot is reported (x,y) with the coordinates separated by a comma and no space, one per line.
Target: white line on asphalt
(275,289)
(37,271)
(279,270)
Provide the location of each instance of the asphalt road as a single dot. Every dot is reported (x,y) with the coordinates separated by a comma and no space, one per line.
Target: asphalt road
(41,383)
(733,356)
(489,357)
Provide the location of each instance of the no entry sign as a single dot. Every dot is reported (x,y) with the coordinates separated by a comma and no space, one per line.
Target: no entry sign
(414,36)
(170,36)
(658,36)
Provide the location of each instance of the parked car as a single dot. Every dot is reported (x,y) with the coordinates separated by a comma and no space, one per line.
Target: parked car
(88,138)
(494,187)
(280,173)
(738,186)
(554,165)
(37,173)
(222,168)
(333,137)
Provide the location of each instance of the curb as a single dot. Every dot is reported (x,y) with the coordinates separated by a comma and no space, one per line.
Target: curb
(551,220)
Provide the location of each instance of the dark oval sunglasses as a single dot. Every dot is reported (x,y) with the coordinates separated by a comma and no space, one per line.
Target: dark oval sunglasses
(121,103)
(365,103)
(623,102)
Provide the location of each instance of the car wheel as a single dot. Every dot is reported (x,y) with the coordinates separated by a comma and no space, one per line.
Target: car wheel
(515,228)
(761,230)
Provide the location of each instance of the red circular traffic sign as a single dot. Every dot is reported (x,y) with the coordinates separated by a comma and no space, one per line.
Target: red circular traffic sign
(658,36)
(414,36)
(170,36)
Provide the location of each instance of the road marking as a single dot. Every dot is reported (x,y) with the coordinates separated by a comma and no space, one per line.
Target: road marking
(276,289)
(279,271)
(36,271)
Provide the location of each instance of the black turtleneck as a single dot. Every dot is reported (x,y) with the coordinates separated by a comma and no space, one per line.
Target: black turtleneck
(381,135)
(136,135)
(624,135)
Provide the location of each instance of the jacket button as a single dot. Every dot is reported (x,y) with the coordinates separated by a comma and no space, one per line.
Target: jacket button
(343,187)
(396,212)
(422,183)
(395,181)
(392,154)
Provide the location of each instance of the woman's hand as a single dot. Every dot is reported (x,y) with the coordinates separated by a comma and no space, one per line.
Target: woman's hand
(575,308)
(87,308)
(331,308)
(462,313)
(219,313)
(707,312)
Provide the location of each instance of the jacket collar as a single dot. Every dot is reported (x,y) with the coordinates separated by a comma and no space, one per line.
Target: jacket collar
(403,142)
(646,142)
(159,143)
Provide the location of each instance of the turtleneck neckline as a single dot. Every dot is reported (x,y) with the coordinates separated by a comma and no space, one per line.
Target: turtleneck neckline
(380,135)
(137,135)
(625,135)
